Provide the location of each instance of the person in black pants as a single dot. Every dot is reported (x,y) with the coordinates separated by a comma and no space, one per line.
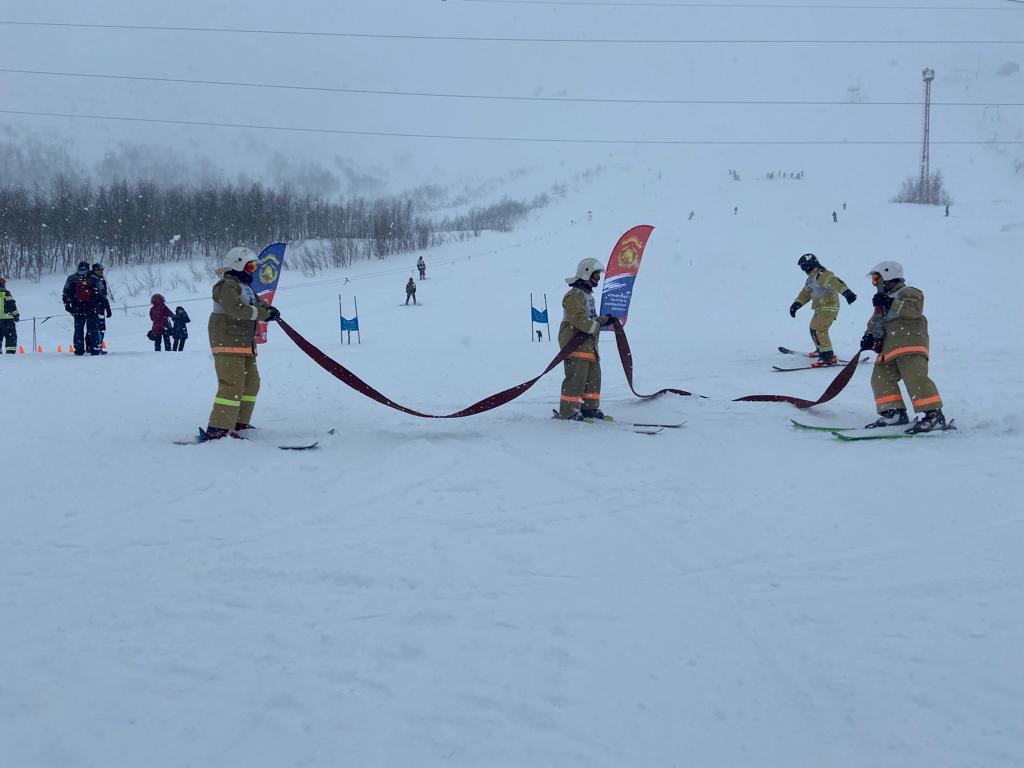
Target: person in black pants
(180,329)
(82,302)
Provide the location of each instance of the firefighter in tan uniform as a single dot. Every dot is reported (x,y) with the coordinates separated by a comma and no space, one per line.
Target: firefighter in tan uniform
(822,289)
(898,331)
(236,310)
(581,389)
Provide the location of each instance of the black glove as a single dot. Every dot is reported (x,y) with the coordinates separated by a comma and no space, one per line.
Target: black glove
(850,296)
(794,307)
(609,320)
(881,300)
(273,313)
(67,306)
(867,341)
(109,313)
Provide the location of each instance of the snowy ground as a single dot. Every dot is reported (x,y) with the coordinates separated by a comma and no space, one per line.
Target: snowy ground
(506,590)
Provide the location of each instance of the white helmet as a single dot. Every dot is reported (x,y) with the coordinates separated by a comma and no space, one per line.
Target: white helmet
(889,270)
(237,258)
(584,270)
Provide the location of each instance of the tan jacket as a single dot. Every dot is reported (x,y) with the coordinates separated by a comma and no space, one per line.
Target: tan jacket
(232,324)
(904,326)
(579,314)
(822,289)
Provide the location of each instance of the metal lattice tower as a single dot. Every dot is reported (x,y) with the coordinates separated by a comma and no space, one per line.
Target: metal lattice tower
(923,188)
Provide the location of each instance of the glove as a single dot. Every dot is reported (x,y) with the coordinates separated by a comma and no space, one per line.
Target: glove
(881,300)
(273,313)
(794,307)
(850,296)
(67,306)
(109,313)
(867,341)
(17,316)
(608,320)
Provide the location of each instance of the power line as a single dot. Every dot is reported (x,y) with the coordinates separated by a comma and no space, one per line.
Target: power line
(507,139)
(801,6)
(473,39)
(494,97)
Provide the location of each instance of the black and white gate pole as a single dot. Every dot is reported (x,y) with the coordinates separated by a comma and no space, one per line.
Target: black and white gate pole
(359,336)
(547,317)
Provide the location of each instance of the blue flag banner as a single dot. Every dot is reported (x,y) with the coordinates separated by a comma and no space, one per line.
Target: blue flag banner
(539,316)
(350,325)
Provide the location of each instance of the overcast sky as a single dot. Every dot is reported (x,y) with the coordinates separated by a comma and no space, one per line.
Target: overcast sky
(863,72)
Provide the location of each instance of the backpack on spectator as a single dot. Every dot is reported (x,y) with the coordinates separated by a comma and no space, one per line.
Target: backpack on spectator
(82,290)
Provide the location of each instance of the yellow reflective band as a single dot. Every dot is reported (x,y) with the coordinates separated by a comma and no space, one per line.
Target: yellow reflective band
(248,398)
(223,401)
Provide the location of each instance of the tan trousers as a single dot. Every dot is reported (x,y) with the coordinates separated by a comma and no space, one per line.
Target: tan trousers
(581,388)
(820,324)
(913,369)
(238,382)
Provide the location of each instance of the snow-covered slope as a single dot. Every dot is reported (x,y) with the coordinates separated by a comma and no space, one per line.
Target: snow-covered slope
(510,590)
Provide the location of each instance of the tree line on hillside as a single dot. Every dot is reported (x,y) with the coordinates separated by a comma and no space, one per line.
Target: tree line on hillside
(51,229)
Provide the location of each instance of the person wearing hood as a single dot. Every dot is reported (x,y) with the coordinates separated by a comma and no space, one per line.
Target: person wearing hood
(581,388)
(161,317)
(180,330)
(232,330)
(9,316)
(410,291)
(898,332)
(82,302)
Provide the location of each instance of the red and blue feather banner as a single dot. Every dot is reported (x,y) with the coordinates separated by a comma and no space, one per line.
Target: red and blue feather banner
(623,265)
(269,264)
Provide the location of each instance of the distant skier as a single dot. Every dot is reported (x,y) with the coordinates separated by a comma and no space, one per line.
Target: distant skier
(410,291)
(581,389)
(898,331)
(9,316)
(180,329)
(232,329)
(161,317)
(822,289)
(81,301)
(947,210)
(102,303)
(421,265)
(835,218)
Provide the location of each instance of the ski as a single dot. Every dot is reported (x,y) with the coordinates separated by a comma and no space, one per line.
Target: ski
(640,429)
(786,351)
(895,435)
(198,440)
(798,425)
(839,364)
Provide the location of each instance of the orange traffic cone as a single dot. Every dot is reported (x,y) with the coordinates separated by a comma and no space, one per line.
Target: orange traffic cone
(59,349)
(103,345)
(39,349)
(71,348)
(21,350)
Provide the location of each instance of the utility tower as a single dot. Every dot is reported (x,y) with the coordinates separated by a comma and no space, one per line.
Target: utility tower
(923,187)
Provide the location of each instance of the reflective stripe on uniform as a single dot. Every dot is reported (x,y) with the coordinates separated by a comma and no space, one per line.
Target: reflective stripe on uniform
(568,399)
(248,398)
(889,399)
(900,351)
(584,355)
(225,401)
(232,350)
(591,395)
(926,401)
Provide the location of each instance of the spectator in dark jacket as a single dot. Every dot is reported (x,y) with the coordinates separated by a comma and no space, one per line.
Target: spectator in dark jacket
(161,317)
(180,330)
(81,300)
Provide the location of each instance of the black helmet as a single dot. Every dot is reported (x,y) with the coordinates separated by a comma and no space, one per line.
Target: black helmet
(83,265)
(96,266)
(808,261)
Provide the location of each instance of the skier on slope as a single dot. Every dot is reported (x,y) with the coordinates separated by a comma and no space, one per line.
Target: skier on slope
(410,291)
(232,329)
(9,315)
(898,331)
(822,289)
(581,389)
(421,265)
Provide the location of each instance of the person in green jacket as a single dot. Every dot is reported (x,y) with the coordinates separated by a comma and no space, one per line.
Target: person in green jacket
(581,388)
(232,329)
(822,289)
(9,316)
(898,332)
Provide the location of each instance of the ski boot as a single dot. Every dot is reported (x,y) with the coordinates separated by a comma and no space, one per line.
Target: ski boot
(595,414)
(825,359)
(216,433)
(240,427)
(891,418)
(931,420)
(575,416)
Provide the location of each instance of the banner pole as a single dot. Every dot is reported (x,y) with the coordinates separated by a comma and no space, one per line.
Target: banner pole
(547,315)
(531,315)
(341,331)
(34,345)
(359,336)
